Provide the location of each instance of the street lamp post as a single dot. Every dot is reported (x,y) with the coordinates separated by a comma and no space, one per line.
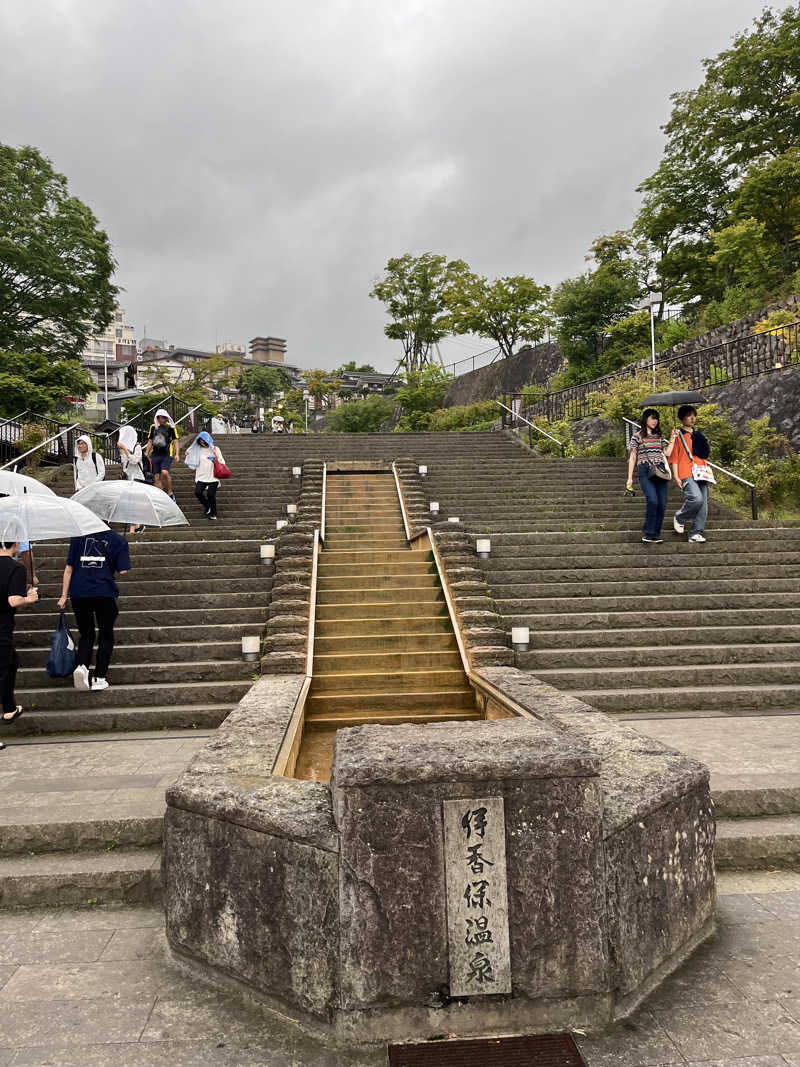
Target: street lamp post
(306,396)
(654,299)
(105,366)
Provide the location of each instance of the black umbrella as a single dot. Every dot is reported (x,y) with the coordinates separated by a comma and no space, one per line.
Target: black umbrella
(671,399)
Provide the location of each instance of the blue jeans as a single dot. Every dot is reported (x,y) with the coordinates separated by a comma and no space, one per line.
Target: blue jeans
(694,512)
(655,493)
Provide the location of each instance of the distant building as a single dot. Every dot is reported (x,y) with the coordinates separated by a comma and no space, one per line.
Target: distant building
(364,383)
(268,350)
(231,351)
(110,359)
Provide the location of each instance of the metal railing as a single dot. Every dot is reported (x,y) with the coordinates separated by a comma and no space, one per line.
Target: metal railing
(515,417)
(729,361)
(714,466)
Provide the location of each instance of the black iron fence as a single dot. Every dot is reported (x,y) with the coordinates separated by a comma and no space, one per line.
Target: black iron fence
(730,361)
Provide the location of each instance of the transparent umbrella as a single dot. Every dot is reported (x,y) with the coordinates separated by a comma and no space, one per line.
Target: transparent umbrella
(45,518)
(131,503)
(13,484)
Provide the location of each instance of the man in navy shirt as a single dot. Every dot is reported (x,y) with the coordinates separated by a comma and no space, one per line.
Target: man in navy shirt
(13,595)
(92,562)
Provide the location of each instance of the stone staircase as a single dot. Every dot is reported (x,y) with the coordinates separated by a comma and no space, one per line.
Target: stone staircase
(384,649)
(85,772)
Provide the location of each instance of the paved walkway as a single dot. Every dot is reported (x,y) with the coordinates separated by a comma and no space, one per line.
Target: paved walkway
(95,987)
(750,752)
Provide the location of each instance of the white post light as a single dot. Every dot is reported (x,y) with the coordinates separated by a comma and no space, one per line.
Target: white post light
(483,546)
(267,554)
(454,518)
(297,472)
(251,647)
(291,510)
(279,525)
(520,638)
(423,471)
(433,507)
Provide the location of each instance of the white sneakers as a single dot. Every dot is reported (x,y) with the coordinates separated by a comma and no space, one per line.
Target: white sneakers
(80,679)
(698,539)
(676,526)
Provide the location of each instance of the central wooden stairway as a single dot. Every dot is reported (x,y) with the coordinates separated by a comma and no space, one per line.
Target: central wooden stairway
(384,648)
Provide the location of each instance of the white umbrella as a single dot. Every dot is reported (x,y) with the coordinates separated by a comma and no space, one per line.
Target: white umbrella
(12,484)
(45,518)
(131,503)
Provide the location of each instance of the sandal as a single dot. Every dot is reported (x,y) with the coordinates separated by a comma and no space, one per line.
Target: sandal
(14,715)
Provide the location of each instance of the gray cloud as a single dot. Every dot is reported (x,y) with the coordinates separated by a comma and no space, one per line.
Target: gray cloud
(257,163)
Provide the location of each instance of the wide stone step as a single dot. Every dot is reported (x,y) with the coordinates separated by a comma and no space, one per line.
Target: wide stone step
(372,664)
(379,645)
(180,652)
(681,698)
(684,570)
(331,557)
(339,719)
(402,680)
(348,572)
(391,607)
(553,543)
(121,876)
(165,637)
(685,671)
(664,604)
(246,616)
(665,654)
(624,637)
(371,544)
(646,590)
(142,696)
(103,718)
(148,672)
(758,844)
(638,561)
(348,587)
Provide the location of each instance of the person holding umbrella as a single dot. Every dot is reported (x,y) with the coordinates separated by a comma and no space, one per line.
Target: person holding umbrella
(92,562)
(130,458)
(13,594)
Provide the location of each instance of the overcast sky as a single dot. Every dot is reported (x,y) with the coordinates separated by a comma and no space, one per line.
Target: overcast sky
(256,162)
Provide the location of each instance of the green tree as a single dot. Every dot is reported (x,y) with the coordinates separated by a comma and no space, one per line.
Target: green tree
(585,307)
(422,394)
(414,291)
(360,416)
(55,261)
(351,368)
(507,310)
(32,380)
(321,385)
(770,194)
(262,383)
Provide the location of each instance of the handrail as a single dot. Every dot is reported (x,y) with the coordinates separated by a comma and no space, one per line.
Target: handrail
(312,606)
(750,485)
(406,526)
(533,426)
(14,418)
(324,498)
(448,599)
(15,461)
(191,411)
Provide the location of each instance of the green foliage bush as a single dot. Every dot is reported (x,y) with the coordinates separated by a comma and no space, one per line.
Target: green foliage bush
(33,433)
(482,414)
(360,416)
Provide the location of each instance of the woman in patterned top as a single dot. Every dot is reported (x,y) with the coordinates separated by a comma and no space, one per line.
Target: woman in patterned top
(647,450)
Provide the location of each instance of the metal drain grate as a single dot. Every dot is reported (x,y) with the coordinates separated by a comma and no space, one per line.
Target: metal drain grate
(544,1050)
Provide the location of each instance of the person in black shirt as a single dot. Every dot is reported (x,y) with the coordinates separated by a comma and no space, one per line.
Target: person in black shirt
(162,447)
(13,595)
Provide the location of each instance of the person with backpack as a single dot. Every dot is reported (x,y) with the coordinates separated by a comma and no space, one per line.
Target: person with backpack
(688,451)
(92,562)
(13,594)
(202,454)
(162,447)
(88,465)
(646,456)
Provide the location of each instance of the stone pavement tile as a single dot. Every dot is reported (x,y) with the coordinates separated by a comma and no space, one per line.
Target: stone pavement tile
(6,1056)
(133,944)
(762,883)
(702,979)
(636,1042)
(5,973)
(758,940)
(103,917)
(51,946)
(192,1054)
(792,1060)
(706,1031)
(107,978)
(73,1022)
(743,908)
(779,979)
(784,906)
(748,1061)
(13,922)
